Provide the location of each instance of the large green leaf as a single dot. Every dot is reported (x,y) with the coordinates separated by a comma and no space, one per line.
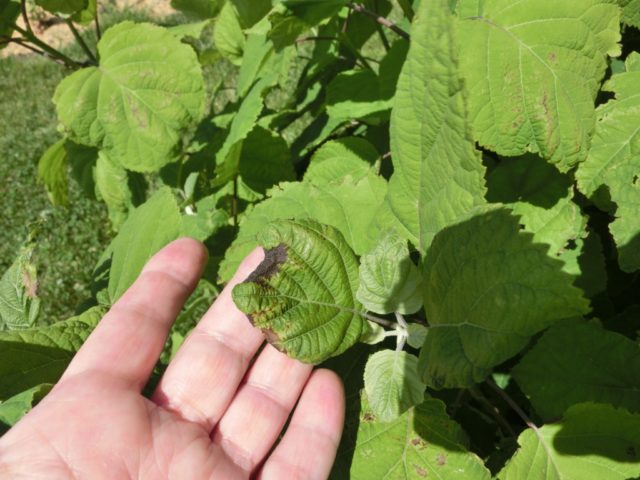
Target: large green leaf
(302,296)
(149,228)
(9,13)
(147,91)
(392,384)
(356,94)
(19,303)
(348,206)
(422,443)
(52,172)
(336,159)
(533,69)
(613,165)
(389,281)
(40,355)
(577,362)
(592,441)
(541,196)
(16,407)
(438,174)
(630,12)
(487,289)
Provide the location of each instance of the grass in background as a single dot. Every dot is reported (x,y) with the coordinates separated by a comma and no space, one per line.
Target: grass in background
(69,240)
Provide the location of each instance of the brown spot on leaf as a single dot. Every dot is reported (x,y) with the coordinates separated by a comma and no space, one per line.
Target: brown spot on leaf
(419,470)
(419,443)
(270,266)
(631,452)
(441,460)
(368,417)
(552,57)
(273,338)
(30,284)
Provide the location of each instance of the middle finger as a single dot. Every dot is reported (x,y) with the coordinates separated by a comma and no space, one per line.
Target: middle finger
(204,376)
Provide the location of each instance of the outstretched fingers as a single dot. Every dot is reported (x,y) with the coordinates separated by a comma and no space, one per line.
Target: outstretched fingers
(308,449)
(129,339)
(203,378)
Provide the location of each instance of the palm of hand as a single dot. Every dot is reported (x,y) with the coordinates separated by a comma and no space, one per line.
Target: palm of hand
(209,417)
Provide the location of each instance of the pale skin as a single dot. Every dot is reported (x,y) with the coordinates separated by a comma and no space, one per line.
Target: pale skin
(216,413)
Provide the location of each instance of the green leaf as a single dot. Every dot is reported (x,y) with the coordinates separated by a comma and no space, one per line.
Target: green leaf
(201,9)
(243,123)
(40,355)
(592,441)
(112,187)
(417,335)
(205,221)
(302,296)
(19,304)
(541,196)
(149,227)
(533,69)
(422,443)
(577,362)
(9,13)
(146,93)
(337,159)
(265,161)
(355,94)
(438,174)
(389,281)
(63,6)
(348,206)
(52,171)
(613,165)
(88,14)
(16,407)
(487,289)
(392,384)
(630,12)
(228,35)
(251,12)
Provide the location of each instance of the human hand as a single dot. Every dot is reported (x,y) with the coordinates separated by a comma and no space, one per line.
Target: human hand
(216,413)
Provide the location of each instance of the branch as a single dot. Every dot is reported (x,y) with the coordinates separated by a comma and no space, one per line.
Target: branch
(97,24)
(495,413)
(385,22)
(81,41)
(50,51)
(380,321)
(25,17)
(310,39)
(511,402)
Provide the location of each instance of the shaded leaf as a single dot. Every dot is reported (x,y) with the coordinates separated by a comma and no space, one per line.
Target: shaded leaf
(613,165)
(40,355)
(487,289)
(592,441)
(16,407)
(577,362)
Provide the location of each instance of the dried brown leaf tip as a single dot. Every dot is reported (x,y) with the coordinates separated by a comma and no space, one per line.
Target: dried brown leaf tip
(270,265)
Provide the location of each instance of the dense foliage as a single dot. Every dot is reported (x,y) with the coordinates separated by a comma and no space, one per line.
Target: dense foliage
(447,193)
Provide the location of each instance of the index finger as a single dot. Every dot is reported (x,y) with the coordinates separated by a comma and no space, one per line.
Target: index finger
(129,339)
